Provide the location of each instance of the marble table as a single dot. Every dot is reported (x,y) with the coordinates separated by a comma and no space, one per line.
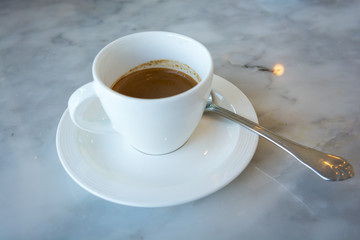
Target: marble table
(47,48)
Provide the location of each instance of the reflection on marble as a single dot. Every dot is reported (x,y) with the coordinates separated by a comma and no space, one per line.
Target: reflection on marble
(47,48)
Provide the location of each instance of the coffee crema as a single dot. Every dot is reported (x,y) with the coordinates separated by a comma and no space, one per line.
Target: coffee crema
(154,82)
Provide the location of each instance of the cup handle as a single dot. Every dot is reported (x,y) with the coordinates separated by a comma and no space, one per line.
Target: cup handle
(86,111)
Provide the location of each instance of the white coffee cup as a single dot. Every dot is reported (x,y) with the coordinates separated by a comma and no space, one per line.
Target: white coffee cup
(152,126)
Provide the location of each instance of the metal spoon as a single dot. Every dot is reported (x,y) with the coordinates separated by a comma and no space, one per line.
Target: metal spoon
(327,166)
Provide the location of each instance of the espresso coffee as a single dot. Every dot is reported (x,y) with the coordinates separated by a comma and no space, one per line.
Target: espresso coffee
(154,82)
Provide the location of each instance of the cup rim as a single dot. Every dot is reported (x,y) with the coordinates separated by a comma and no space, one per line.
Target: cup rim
(208,75)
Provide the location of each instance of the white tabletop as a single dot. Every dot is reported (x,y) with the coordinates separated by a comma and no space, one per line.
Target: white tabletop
(47,48)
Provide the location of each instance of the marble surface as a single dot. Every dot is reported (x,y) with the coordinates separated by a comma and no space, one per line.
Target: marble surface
(47,48)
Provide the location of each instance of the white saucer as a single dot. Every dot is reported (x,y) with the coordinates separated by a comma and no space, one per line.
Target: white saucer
(217,152)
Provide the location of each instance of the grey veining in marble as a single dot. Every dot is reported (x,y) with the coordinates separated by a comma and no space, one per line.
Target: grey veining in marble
(46,52)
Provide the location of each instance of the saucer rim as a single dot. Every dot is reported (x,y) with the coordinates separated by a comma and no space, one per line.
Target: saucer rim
(250,151)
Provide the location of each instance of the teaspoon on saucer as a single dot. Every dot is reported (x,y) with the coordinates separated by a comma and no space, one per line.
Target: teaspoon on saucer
(327,166)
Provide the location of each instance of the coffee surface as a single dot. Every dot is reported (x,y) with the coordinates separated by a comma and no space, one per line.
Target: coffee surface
(154,83)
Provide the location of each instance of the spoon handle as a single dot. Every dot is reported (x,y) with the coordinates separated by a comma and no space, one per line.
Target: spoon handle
(327,166)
